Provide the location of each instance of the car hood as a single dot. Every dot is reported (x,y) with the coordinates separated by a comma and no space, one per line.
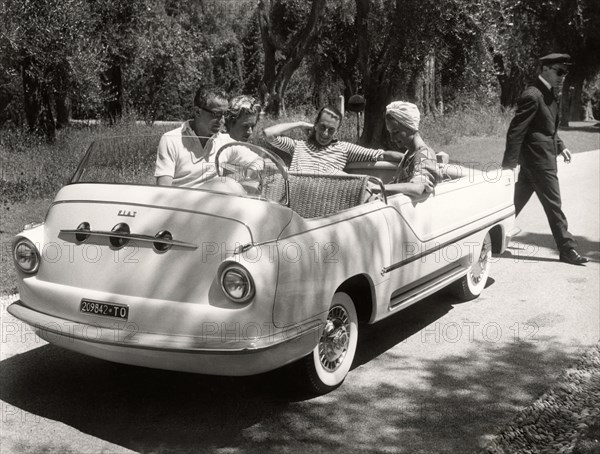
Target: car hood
(207,226)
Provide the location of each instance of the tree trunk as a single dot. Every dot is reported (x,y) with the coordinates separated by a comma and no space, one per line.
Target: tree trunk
(429,86)
(5,99)
(113,87)
(32,96)
(570,105)
(511,82)
(63,110)
(588,111)
(47,118)
(37,104)
(374,134)
(282,61)
(419,89)
(439,94)
(377,68)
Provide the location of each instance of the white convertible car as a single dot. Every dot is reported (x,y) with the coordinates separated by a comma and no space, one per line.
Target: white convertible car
(249,272)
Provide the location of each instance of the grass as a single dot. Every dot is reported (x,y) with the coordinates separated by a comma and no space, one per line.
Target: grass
(31,170)
(14,216)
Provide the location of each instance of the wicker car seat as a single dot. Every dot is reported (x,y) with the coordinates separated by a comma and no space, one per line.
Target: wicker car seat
(314,195)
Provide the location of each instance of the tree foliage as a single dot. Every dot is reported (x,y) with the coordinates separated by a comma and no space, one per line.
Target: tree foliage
(149,56)
(288,31)
(51,45)
(528,29)
(166,69)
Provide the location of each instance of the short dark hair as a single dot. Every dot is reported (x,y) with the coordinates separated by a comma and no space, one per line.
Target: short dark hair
(204,95)
(331,110)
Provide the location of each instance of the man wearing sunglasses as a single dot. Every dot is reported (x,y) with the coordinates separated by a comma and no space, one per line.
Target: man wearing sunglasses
(186,155)
(532,141)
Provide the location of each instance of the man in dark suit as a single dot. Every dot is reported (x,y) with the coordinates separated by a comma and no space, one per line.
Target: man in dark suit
(532,141)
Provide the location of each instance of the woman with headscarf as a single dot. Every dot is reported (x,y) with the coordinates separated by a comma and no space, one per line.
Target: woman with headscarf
(418,172)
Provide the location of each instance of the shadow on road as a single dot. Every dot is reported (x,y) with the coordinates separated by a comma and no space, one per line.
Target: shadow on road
(527,245)
(159,411)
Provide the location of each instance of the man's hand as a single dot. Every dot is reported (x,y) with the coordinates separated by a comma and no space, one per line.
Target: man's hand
(305,126)
(566,154)
(428,186)
(515,171)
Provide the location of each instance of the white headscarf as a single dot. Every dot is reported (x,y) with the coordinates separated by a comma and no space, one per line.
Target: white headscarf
(405,112)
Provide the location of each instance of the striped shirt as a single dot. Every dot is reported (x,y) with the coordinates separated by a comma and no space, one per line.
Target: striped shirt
(310,157)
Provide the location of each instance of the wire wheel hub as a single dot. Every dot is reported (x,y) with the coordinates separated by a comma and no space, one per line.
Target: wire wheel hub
(335,339)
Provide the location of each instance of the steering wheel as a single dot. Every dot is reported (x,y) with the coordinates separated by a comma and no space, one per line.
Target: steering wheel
(225,184)
(254,186)
(260,151)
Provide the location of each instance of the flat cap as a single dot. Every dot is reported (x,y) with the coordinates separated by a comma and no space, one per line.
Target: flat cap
(565,59)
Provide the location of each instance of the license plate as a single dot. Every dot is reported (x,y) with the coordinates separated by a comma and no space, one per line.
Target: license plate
(105,309)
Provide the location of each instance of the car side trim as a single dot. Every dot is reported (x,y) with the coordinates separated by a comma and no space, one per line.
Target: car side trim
(394,266)
(162,207)
(129,236)
(416,294)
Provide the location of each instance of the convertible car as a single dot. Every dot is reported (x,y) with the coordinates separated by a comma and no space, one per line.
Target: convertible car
(254,270)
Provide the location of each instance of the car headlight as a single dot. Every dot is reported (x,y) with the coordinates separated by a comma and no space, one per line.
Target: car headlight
(237,283)
(26,256)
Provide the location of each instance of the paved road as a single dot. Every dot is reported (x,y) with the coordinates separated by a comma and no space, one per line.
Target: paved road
(440,377)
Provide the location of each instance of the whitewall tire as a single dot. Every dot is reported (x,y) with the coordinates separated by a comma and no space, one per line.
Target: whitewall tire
(327,366)
(472,284)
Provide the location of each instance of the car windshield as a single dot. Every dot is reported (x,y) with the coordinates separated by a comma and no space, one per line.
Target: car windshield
(238,168)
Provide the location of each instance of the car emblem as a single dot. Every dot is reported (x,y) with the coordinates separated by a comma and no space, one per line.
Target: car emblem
(127,213)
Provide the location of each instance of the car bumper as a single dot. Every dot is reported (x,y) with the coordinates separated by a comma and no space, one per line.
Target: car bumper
(230,356)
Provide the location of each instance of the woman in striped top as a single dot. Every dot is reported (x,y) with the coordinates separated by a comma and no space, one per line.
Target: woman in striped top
(321,153)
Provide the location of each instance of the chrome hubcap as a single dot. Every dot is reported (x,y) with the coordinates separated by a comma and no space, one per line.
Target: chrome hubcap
(335,339)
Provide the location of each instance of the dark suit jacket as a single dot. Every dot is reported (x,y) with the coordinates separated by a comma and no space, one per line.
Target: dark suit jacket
(532,139)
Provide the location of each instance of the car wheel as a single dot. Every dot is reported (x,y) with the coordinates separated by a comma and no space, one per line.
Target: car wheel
(326,367)
(472,284)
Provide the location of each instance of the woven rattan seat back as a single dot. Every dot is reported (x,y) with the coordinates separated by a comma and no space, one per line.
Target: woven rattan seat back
(316,195)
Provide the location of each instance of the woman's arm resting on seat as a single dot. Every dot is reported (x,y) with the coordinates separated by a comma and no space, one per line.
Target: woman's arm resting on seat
(394,156)
(411,189)
(164,180)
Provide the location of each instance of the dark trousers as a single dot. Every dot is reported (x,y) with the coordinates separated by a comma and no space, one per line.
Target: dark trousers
(544,183)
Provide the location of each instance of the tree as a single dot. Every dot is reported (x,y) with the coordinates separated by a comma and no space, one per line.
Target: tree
(336,50)
(579,32)
(528,29)
(406,49)
(117,25)
(285,44)
(50,43)
(253,56)
(173,58)
(167,67)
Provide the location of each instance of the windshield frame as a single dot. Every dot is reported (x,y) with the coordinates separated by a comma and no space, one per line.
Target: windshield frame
(84,164)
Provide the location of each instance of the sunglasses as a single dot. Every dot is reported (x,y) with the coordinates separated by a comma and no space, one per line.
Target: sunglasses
(560,71)
(215,114)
